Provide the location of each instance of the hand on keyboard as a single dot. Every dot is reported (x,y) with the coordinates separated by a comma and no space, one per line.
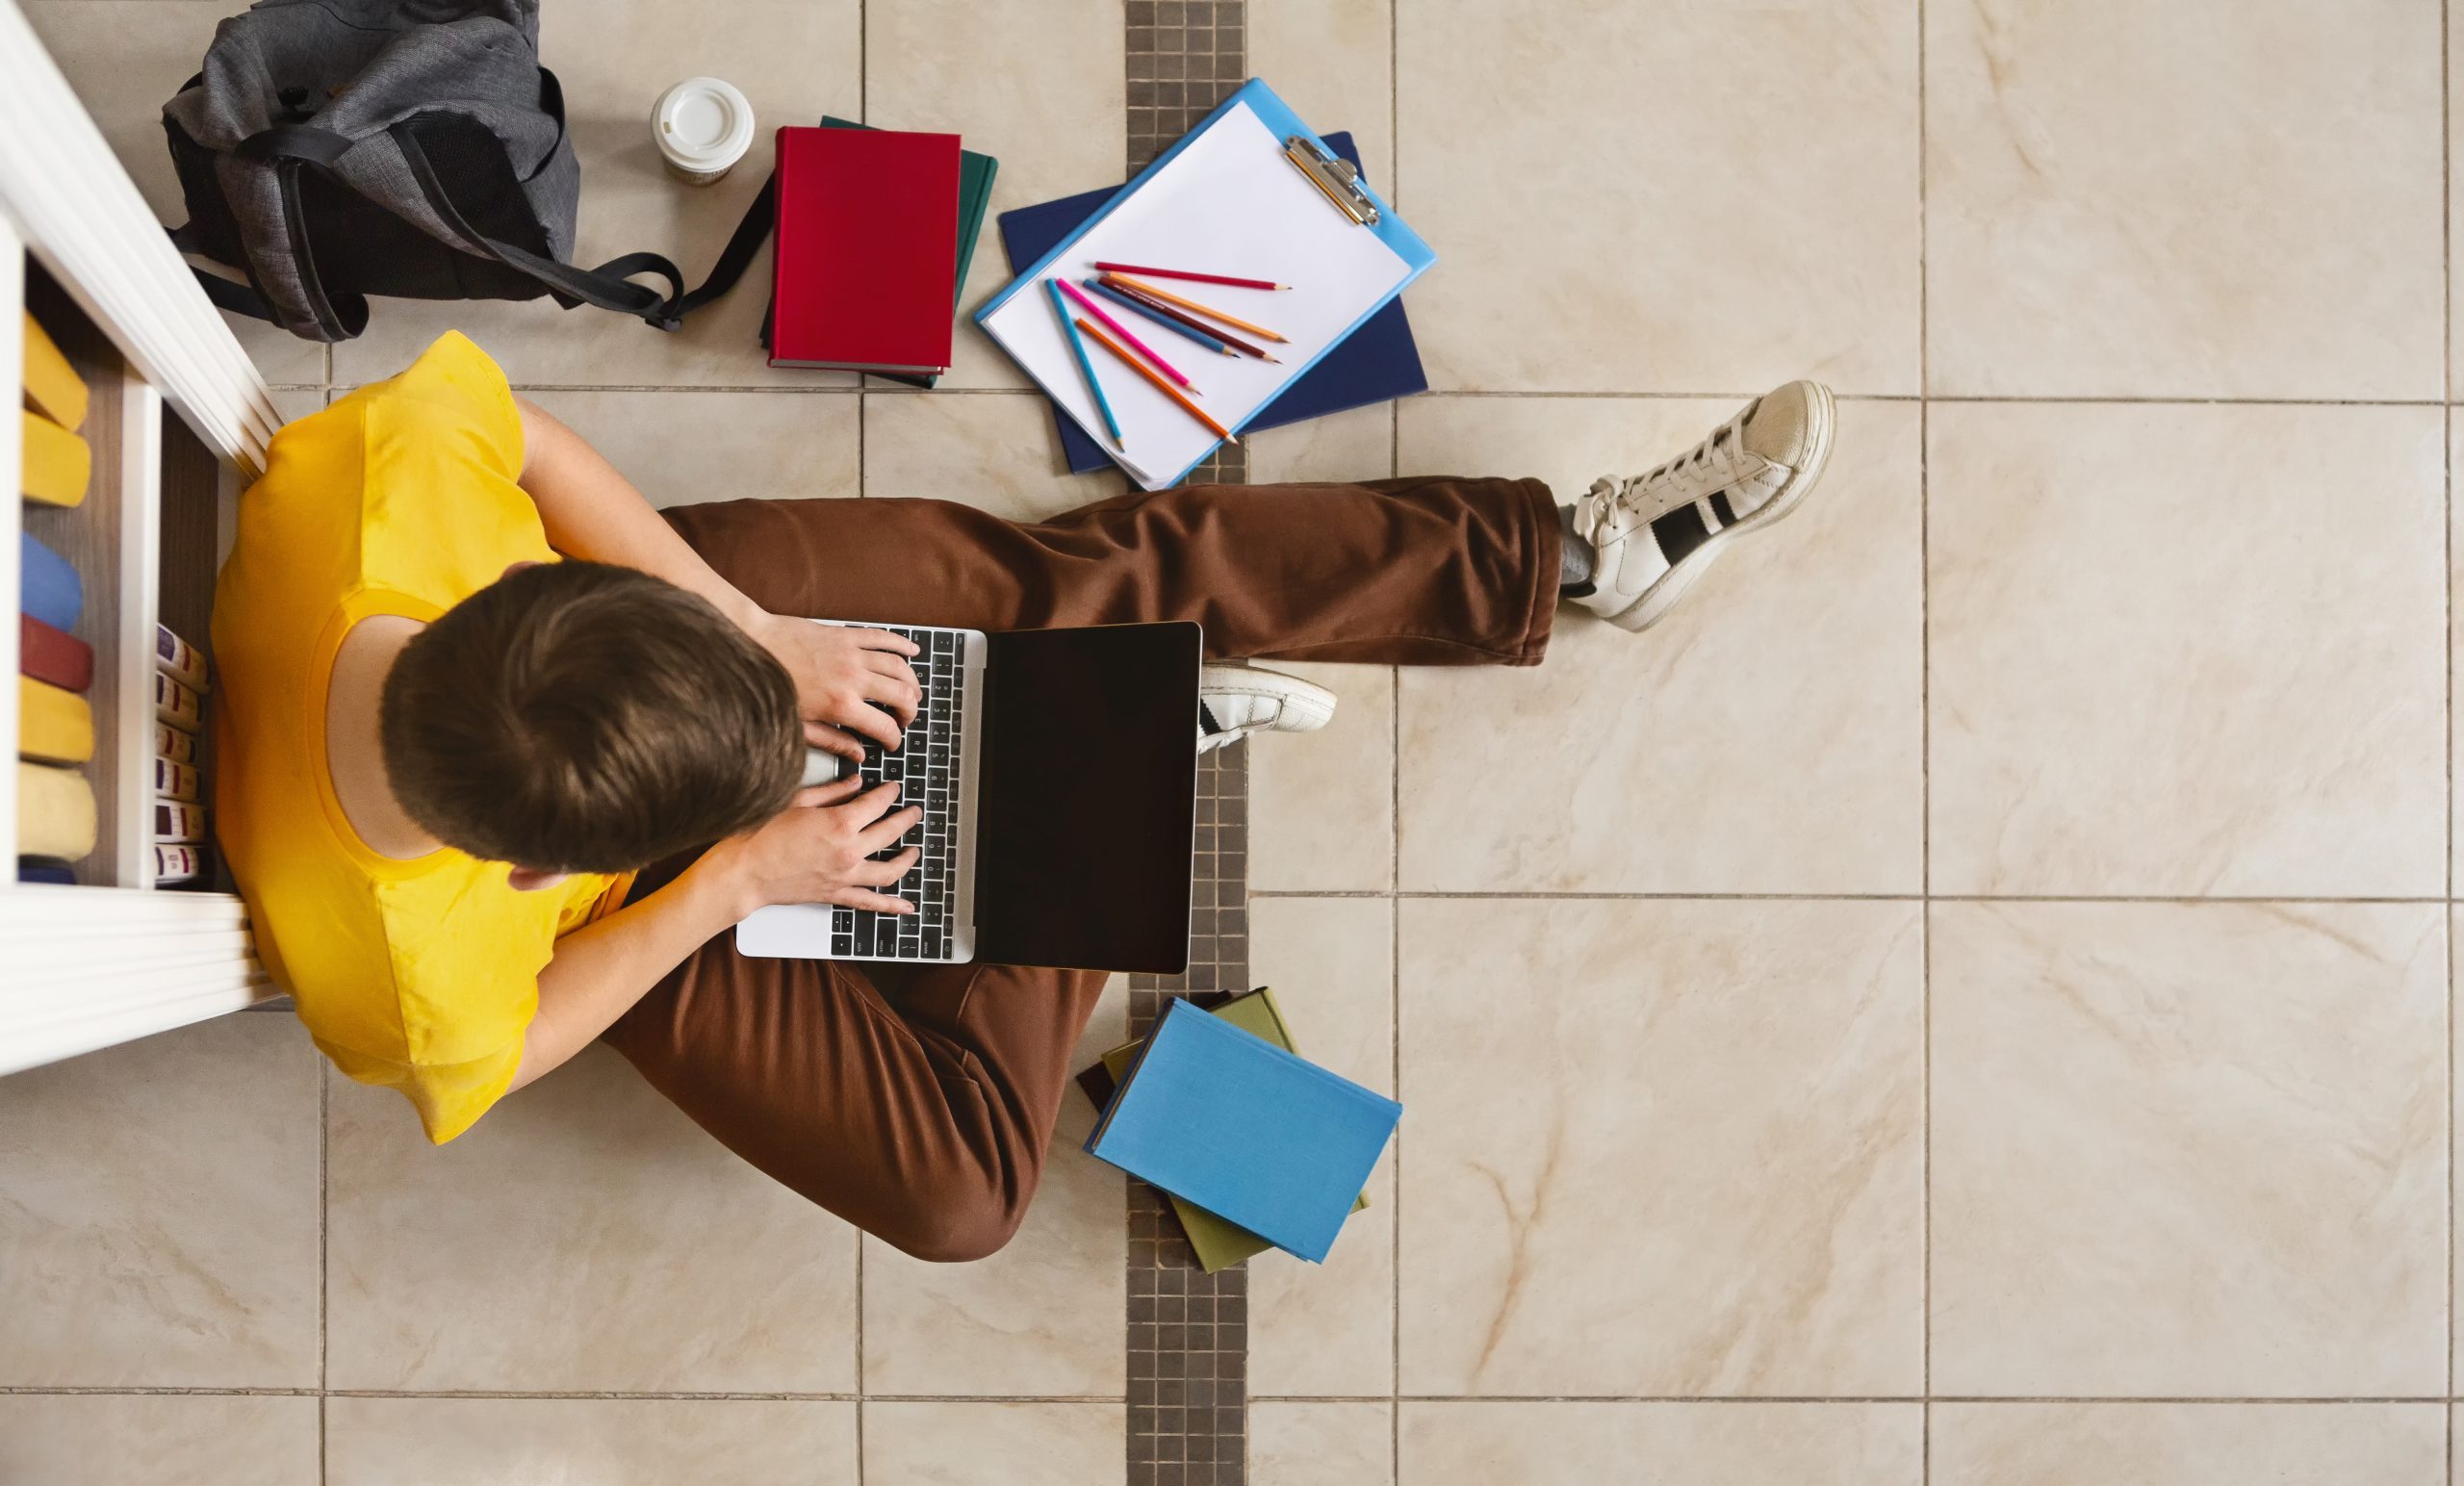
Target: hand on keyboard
(832,845)
(931,770)
(851,685)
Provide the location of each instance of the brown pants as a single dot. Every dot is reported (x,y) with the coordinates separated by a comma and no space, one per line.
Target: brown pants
(921,1116)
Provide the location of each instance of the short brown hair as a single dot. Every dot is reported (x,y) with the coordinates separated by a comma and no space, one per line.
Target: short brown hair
(577,717)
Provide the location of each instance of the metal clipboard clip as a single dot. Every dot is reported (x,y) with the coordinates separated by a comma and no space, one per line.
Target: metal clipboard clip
(1332,174)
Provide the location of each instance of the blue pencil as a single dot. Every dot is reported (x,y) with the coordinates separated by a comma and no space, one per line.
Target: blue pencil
(1157,316)
(1078,349)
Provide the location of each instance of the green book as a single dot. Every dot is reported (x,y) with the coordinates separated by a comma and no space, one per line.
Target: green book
(975,198)
(1220,1244)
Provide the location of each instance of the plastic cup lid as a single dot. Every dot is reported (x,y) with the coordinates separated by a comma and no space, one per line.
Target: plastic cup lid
(702,121)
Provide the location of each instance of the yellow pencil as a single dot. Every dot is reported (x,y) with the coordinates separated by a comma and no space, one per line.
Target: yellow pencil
(1145,288)
(1160,385)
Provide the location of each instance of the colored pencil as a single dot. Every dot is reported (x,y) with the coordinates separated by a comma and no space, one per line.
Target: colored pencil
(1229,340)
(1156,313)
(1195,278)
(1086,367)
(1160,385)
(1168,298)
(1117,328)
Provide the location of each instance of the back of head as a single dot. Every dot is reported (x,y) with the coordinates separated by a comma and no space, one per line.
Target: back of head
(579,717)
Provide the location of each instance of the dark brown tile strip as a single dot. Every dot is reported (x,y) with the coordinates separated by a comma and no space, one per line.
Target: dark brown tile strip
(1188,1330)
(1188,1341)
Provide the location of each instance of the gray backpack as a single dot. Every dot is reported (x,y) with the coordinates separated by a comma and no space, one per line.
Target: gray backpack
(333,150)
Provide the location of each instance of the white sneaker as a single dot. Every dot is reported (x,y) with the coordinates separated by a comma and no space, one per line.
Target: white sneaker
(1235,701)
(1657,532)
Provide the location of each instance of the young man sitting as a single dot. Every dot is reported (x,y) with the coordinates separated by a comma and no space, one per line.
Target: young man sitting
(505,754)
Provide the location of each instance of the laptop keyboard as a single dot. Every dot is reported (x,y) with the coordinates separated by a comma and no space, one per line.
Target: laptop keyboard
(926,768)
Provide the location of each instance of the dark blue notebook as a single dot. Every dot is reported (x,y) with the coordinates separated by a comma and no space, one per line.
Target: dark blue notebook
(1377,363)
(1225,1119)
(47,586)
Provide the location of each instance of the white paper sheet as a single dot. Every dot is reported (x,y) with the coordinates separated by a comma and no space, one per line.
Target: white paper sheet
(1229,203)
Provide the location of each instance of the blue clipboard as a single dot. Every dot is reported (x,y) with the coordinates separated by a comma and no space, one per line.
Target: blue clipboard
(1280,120)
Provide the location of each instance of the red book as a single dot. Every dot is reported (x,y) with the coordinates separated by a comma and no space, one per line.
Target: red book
(868,252)
(47,654)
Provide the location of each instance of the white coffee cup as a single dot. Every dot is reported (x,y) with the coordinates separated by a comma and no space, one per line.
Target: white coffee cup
(703,126)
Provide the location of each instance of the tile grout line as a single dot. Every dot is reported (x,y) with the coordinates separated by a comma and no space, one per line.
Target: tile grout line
(1394,807)
(2446,447)
(2174,900)
(1925,787)
(1527,393)
(1394,1065)
(1535,393)
(1282,1399)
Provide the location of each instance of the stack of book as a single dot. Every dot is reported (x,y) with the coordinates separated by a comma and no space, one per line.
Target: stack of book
(56,818)
(875,228)
(1256,1147)
(179,798)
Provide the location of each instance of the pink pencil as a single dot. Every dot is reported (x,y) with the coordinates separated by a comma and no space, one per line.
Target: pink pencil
(1143,350)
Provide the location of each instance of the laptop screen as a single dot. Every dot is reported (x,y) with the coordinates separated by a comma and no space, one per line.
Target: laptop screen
(1087,798)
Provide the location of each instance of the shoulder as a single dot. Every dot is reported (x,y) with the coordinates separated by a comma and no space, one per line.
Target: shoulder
(438,965)
(454,400)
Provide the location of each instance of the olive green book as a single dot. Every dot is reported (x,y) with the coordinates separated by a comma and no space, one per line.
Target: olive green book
(1220,1244)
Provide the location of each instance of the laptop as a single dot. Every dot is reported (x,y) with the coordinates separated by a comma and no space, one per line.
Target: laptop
(1057,769)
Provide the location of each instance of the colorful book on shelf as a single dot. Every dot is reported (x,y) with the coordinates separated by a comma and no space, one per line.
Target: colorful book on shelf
(866,253)
(1250,1132)
(176,820)
(55,812)
(1216,1242)
(1377,363)
(48,655)
(976,174)
(54,465)
(177,863)
(44,870)
(176,704)
(178,659)
(176,781)
(54,724)
(175,744)
(48,587)
(52,386)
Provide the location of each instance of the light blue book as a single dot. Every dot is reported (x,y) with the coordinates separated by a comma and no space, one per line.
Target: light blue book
(1228,1121)
(47,586)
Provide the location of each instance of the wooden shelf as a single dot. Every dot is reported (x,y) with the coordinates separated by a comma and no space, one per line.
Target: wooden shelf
(178,418)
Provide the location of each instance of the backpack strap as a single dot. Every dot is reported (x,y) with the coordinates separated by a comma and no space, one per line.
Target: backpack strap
(608,286)
(275,156)
(286,148)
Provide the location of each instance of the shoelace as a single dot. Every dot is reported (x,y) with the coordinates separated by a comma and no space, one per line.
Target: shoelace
(1707,467)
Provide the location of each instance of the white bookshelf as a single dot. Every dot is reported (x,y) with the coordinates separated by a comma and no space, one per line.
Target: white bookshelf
(179,419)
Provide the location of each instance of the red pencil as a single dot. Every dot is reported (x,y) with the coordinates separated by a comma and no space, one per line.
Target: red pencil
(1195,278)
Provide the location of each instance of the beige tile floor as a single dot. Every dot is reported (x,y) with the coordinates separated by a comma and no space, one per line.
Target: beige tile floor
(1968,999)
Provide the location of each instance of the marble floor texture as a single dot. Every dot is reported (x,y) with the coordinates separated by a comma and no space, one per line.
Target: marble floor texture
(1968,1000)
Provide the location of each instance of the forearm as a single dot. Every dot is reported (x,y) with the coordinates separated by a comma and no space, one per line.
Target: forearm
(599,972)
(591,511)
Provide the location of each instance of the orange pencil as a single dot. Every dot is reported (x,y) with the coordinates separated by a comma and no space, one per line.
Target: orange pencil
(1145,288)
(1157,380)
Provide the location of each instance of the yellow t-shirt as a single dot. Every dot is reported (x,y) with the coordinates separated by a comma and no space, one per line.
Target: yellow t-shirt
(401,498)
